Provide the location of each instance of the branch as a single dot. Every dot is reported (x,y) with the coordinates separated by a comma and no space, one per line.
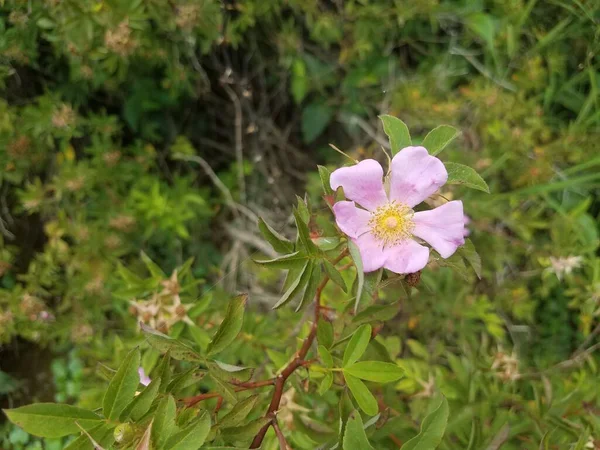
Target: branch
(191,401)
(298,361)
(283,445)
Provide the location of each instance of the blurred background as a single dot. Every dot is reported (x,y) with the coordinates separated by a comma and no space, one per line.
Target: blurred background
(134,131)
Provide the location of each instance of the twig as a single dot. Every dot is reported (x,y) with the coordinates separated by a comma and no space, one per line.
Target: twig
(283,445)
(298,361)
(587,341)
(191,401)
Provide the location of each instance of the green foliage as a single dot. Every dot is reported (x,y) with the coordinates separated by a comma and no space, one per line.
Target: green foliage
(108,219)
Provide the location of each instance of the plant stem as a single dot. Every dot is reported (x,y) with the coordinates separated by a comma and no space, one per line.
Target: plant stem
(283,445)
(298,361)
(191,401)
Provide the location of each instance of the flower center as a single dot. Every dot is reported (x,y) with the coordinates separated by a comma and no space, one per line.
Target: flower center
(392,223)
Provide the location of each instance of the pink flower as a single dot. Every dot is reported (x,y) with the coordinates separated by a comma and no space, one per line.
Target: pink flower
(144,379)
(385,226)
(467,232)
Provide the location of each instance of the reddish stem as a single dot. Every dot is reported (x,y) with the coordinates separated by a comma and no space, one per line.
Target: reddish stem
(191,401)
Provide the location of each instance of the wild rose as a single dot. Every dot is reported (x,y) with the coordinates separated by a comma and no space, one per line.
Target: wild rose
(385,228)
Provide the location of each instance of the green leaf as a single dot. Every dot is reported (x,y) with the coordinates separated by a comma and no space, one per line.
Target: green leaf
(231,325)
(377,313)
(229,372)
(315,118)
(102,434)
(45,23)
(311,286)
(299,82)
(357,345)
(164,421)
(334,275)
(225,389)
(141,403)
(380,372)
(163,343)
(468,252)
(152,267)
(355,437)
(239,412)
(185,379)
(303,210)
(432,429)
(162,371)
(304,234)
(325,175)
(461,174)
(279,243)
(52,420)
(325,333)
(366,401)
(327,243)
(200,336)
(284,262)
(438,138)
(397,132)
(122,387)
(191,437)
(296,285)
(325,356)
(360,273)
(246,431)
(326,383)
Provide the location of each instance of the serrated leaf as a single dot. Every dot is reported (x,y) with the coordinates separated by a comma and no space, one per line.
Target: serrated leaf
(52,420)
(468,252)
(432,429)
(438,138)
(466,176)
(142,402)
(334,275)
(284,262)
(355,437)
(377,313)
(191,437)
(325,356)
(357,345)
(231,325)
(245,431)
(279,243)
(326,383)
(378,371)
(239,412)
(325,175)
(296,285)
(366,401)
(163,343)
(397,132)
(360,274)
(164,421)
(122,386)
(325,333)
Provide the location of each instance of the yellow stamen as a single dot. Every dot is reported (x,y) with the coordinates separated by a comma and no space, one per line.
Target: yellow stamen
(392,223)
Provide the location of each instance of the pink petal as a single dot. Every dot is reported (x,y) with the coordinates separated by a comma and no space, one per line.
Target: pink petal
(371,252)
(352,221)
(362,183)
(467,232)
(443,227)
(415,175)
(407,257)
(144,379)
